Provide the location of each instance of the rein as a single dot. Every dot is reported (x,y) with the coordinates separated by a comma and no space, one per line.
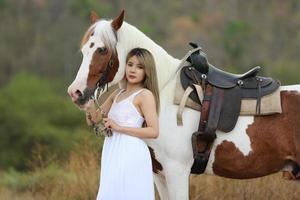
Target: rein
(103,80)
(102,83)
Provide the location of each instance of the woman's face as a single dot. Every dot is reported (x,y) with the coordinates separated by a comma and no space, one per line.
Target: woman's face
(135,72)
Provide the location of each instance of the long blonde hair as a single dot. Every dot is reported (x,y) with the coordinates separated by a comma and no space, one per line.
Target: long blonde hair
(150,81)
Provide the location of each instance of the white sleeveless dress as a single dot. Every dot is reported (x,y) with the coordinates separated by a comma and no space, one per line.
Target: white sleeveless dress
(126,168)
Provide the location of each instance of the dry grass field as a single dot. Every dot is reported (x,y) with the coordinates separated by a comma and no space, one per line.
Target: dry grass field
(271,187)
(78,179)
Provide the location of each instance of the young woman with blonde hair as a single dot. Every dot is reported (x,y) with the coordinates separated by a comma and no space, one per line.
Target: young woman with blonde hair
(126,168)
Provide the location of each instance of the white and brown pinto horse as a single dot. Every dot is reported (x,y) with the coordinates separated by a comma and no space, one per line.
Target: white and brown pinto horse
(256,147)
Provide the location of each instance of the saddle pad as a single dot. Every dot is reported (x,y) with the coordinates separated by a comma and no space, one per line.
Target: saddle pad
(270,104)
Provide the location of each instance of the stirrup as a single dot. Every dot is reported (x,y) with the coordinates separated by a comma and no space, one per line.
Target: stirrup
(201,157)
(208,137)
(200,154)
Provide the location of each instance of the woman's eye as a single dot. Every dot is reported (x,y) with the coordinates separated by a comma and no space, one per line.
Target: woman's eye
(102,50)
(129,64)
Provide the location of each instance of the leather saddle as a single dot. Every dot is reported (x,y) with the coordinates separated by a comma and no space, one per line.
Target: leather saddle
(221,104)
(249,83)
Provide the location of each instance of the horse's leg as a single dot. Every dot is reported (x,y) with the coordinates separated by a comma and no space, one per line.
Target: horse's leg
(177,177)
(161,186)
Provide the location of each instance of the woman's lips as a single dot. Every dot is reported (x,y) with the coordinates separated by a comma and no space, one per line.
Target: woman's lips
(131,76)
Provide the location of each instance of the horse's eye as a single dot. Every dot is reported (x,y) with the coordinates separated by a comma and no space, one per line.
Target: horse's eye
(102,50)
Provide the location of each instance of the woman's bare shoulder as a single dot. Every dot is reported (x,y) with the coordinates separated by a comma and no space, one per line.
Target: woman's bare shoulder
(146,94)
(146,91)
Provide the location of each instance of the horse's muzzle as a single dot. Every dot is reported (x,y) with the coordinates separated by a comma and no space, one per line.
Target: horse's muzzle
(83,98)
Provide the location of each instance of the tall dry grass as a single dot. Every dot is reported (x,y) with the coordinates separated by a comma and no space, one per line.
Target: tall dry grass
(271,187)
(78,179)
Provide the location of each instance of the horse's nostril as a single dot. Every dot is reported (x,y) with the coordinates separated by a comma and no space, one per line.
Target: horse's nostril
(78,93)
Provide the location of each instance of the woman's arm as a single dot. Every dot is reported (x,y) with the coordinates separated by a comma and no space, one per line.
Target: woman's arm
(94,114)
(148,107)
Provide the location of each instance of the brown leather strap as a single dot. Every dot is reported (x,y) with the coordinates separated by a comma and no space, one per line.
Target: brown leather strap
(258,102)
(205,108)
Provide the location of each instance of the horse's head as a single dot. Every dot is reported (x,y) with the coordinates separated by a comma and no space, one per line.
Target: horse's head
(100,60)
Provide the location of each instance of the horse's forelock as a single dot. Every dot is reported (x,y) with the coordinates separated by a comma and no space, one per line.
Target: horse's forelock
(87,35)
(107,34)
(103,30)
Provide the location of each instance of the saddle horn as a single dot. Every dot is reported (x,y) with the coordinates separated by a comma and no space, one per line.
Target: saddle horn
(198,59)
(194,45)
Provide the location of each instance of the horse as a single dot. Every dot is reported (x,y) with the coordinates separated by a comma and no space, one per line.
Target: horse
(256,147)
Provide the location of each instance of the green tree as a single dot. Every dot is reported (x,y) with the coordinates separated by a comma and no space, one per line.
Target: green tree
(33,114)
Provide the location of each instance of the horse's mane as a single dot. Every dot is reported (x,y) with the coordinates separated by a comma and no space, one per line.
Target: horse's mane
(166,65)
(140,39)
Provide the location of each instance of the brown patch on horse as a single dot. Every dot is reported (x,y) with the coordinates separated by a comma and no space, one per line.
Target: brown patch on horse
(87,36)
(275,139)
(156,166)
(115,67)
(99,64)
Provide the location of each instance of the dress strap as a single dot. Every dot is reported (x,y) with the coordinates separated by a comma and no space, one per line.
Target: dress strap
(136,93)
(118,94)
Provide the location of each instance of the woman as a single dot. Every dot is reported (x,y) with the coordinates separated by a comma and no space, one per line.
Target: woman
(126,169)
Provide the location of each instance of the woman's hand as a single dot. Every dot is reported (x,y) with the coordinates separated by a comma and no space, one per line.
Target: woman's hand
(109,123)
(94,115)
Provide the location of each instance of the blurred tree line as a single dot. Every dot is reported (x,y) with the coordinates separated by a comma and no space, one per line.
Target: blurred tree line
(42,36)
(35,117)
(39,55)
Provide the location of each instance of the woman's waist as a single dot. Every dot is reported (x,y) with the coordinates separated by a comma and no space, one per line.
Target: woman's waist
(128,122)
(125,137)
(125,115)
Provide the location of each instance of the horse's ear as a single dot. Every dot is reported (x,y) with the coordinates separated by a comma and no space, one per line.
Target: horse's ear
(94,17)
(117,22)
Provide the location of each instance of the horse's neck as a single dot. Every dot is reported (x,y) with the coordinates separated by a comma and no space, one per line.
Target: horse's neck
(130,37)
